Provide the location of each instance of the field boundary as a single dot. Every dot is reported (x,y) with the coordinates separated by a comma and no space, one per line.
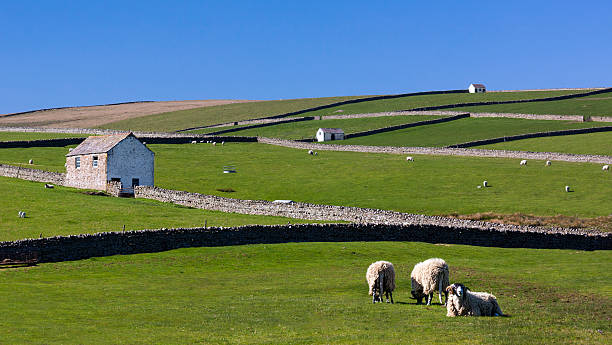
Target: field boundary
(79,247)
(532,135)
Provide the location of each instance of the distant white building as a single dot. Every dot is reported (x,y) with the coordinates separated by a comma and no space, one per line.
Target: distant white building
(100,159)
(327,134)
(477,88)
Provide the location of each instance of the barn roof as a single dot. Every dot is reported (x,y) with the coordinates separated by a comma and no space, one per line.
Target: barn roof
(332,130)
(478,85)
(98,144)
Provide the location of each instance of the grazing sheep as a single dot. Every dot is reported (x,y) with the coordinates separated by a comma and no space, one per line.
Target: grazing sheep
(310,152)
(524,162)
(427,277)
(22,214)
(548,163)
(410,159)
(605,167)
(485,183)
(315,153)
(48,185)
(463,302)
(194,142)
(381,279)
(201,141)
(31,161)
(567,189)
(223,143)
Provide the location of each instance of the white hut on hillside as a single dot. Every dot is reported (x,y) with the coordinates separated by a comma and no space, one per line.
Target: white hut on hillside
(477,88)
(327,134)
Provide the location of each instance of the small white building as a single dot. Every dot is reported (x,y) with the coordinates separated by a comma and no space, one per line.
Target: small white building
(477,88)
(327,134)
(100,159)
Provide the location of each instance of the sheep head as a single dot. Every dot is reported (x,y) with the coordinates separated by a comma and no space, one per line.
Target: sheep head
(457,289)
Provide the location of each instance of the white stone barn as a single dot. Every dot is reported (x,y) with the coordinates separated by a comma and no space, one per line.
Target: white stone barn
(100,159)
(327,134)
(477,88)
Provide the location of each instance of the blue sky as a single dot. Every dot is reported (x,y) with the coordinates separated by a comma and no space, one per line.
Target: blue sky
(65,53)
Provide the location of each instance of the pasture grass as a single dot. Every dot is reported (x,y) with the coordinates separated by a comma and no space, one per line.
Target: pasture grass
(595,105)
(430,185)
(308,129)
(592,143)
(305,293)
(67,211)
(15,136)
(172,121)
(43,158)
(463,130)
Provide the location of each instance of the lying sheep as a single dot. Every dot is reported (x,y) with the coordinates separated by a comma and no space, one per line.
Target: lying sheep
(427,277)
(567,189)
(524,162)
(548,163)
(194,142)
(463,302)
(605,167)
(310,152)
(410,159)
(381,279)
(485,183)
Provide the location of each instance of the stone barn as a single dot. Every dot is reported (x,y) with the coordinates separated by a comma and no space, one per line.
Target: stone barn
(118,157)
(327,134)
(477,88)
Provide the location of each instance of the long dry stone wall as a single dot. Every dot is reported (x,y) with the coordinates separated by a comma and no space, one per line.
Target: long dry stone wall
(406,125)
(442,151)
(80,247)
(32,174)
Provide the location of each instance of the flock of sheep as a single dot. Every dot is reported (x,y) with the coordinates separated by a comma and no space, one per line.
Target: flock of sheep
(427,277)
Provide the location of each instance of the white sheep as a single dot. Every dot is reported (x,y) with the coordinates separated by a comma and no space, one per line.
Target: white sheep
(524,162)
(22,214)
(485,183)
(381,279)
(223,143)
(463,302)
(605,167)
(310,152)
(315,153)
(31,161)
(567,188)
(548,163)
(427,277)
(194,142)
(410,159)
(214,143)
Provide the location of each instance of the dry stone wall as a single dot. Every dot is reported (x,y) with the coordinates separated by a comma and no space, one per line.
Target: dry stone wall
(80,247)
(32,174)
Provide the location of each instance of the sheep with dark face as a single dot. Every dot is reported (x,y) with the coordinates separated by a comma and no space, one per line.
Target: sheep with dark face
(463,302)
(381,280)
(427,277)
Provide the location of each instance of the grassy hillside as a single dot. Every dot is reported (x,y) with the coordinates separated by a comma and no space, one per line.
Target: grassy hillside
(596,105)
(464,130)
(308,129)
(68,211)
(430,185)
(13,136)
(234,112)
(172,121)
(304,293)
(593,143)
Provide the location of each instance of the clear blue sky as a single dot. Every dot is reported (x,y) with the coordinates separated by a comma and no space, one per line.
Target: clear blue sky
(64,53)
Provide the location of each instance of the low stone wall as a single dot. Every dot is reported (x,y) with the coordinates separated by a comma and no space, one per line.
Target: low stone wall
(533,135)
(442,151)
(32,174)
(406,125)
(41,143)
(113,188)
(80,247)
(578,118)
(270,122)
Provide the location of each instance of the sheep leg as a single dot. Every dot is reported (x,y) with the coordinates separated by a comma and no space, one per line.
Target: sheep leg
(391,294)
(381,278)
(429,298)
(440,289)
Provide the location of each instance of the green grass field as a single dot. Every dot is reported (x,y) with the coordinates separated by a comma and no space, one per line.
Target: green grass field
(68,211)
(596,105)
(308,129)
(592,143)
(429,185)
(464,130)
(304,293)
(173,121)
(13,136)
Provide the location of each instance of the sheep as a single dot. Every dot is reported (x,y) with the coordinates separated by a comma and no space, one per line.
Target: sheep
(410,159)
(428,276)
(194,142)
(310,152)
(214,143)
(22,214)
(485,183)
(567,189)
(223,143)
(381,279)
(31,161)
(548,163)
(463,302)
(524,162)
(315,153)
(48,185)
(605,167)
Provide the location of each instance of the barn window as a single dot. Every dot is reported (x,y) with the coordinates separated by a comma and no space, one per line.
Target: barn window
(95,161)
(77,162)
